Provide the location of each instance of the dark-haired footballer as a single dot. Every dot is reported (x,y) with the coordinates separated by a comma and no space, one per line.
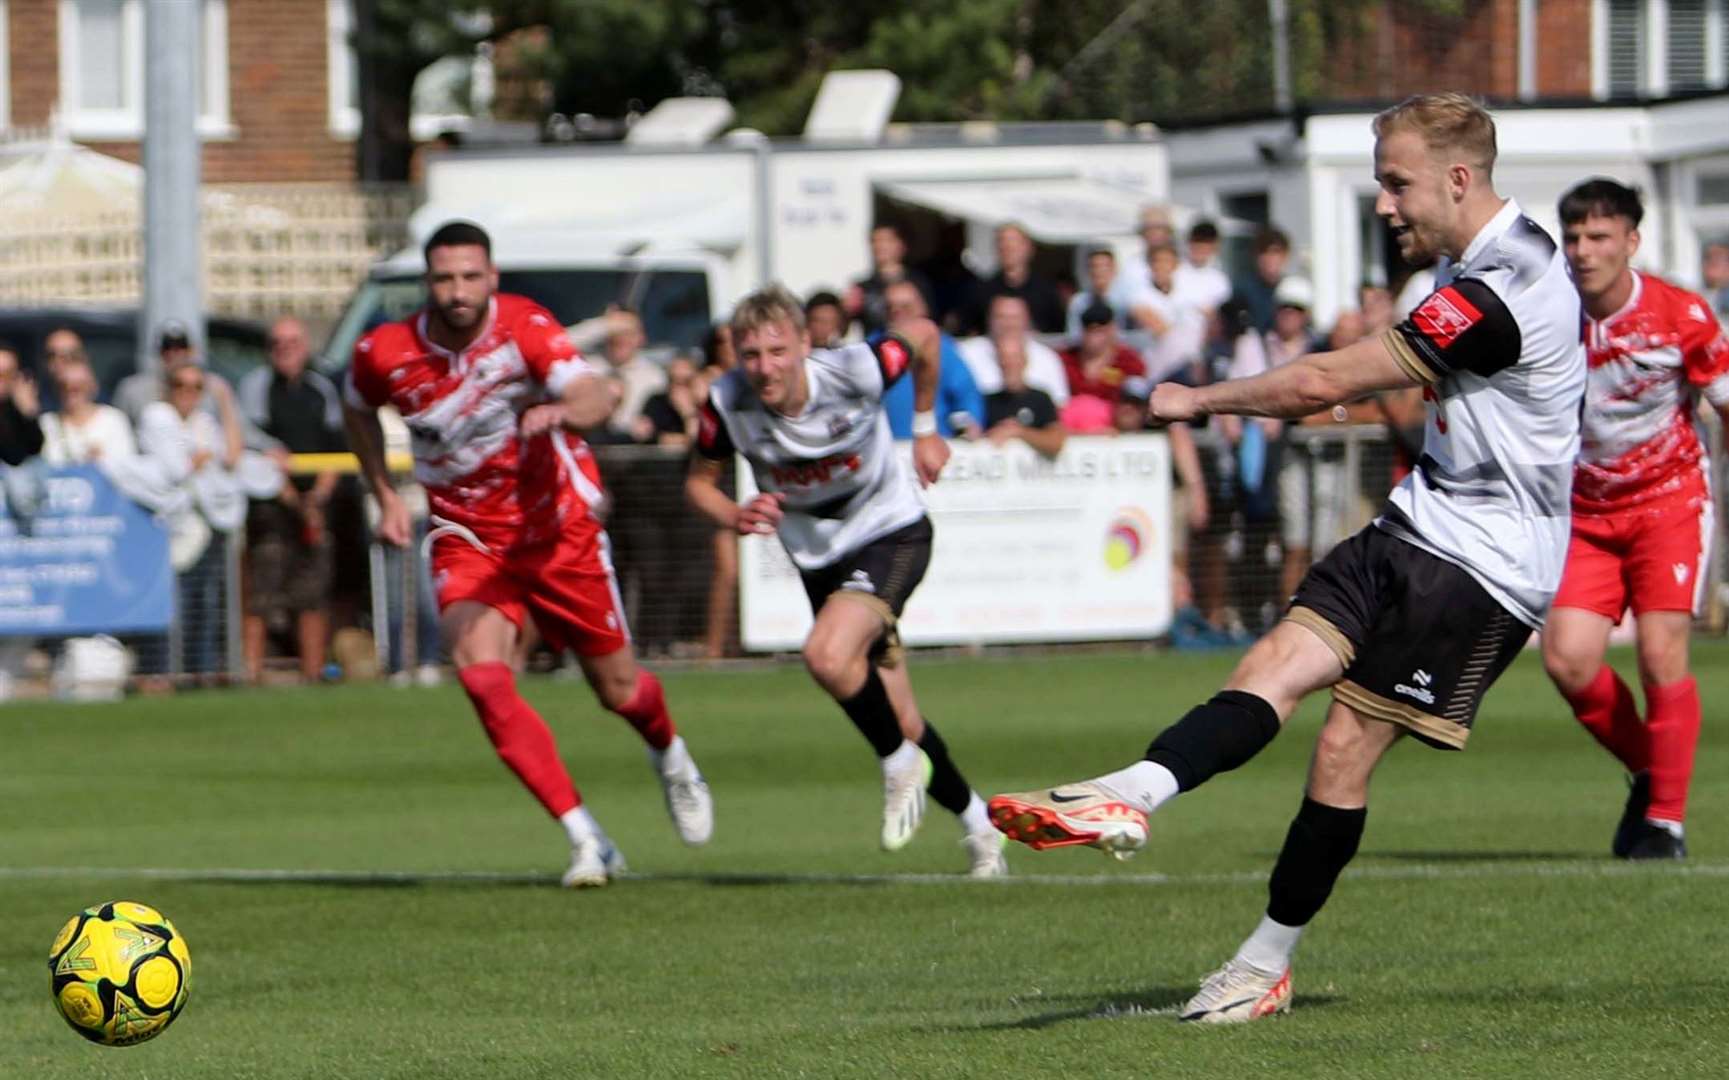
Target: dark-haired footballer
(495,398)
(1642,512)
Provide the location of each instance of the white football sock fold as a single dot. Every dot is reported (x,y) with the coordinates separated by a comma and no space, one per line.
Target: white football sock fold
(1268,950)
(580,826)
(1145,785)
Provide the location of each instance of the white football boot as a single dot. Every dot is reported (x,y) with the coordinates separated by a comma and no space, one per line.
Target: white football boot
(687,798)
(593,863)
(1236,994)
(985,853)
(904,800)
(1086,812)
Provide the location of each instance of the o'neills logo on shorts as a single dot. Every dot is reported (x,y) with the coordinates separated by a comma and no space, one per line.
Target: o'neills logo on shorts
(1421,691)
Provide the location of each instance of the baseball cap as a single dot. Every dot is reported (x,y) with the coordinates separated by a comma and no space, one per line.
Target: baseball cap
(1294,292)
(173,334)
(1098,314)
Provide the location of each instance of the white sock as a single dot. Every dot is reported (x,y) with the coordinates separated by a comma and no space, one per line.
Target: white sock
(675,760)
(1269,948)
(902,759)
(975,818)
(1673,828)
(580,826)
(1145,785)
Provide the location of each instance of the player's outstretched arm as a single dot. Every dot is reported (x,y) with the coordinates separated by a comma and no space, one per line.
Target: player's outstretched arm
(366,439)
(1304,386)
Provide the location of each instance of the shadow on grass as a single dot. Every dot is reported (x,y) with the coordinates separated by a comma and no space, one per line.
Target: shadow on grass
(1159,1003)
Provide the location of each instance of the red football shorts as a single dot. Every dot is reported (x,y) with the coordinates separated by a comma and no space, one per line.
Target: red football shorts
(568,587)
(1646,559)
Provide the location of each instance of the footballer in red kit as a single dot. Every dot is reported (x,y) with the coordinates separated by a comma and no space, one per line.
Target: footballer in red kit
(1642,512)
(494,396)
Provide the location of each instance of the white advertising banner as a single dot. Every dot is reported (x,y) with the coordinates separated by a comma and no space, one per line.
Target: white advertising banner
(1028,549)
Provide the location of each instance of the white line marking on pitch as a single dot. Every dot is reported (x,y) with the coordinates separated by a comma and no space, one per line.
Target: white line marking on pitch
(1409,872)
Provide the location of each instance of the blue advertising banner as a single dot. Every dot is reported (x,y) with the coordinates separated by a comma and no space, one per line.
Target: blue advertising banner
(88,561)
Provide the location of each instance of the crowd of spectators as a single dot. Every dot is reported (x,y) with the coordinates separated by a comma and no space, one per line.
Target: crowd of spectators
(1025,357)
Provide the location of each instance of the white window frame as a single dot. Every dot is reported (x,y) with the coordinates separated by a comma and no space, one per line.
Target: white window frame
(340,65)
(1716,25)
(1654,80)
(127,123)
(339,23)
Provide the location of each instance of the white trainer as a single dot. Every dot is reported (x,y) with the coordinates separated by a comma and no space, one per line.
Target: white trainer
(904,801)
(985,852)
(1236,994)
(593,863)
(689,803)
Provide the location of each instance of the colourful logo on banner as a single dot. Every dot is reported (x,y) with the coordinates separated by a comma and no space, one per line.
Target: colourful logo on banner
(1127,538)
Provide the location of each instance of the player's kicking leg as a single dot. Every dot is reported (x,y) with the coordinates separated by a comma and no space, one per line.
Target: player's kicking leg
(1110,812)
(481,638)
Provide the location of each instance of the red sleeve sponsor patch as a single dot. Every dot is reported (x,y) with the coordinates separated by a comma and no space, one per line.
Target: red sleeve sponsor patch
(1445,316)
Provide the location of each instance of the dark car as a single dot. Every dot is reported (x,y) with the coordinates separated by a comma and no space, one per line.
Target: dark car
(234,346)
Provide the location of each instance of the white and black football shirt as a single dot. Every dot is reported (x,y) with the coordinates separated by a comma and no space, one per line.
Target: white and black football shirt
(1498,349)
(836,462)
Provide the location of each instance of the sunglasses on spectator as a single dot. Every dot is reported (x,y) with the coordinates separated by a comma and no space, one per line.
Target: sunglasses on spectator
(188,384)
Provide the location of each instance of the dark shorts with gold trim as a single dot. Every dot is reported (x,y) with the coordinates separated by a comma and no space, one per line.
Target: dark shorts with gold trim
(1420,639)
(882,575)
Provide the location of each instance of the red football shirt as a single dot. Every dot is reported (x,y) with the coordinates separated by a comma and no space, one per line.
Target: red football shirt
(462,410)
(1649,364)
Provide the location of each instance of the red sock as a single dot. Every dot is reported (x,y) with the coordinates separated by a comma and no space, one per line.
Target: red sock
(520,736)
(646,711)
(1674,732)
(1606,709)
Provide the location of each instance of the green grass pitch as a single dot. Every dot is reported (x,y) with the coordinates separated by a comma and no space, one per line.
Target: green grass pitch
(1482,932)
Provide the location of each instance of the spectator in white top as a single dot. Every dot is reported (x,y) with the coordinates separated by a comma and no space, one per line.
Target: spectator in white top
(1009,329)
(83,432)
(1200,282)
(1179,322)
(1104,285)
(1156,232)
(641,378)
(197,451)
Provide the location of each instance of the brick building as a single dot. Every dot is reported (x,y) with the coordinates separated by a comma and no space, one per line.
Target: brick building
(1531,50)
(275,84)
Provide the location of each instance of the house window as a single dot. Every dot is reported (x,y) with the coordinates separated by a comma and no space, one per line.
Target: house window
(1626,44)
(1653,48)
(1686,45)
(434,107)
(102,68)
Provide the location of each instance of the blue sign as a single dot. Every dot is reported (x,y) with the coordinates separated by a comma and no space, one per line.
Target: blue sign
(88,561)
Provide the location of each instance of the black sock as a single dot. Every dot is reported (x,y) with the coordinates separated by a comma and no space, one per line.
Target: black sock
(871,713)
(1214,738)
(1321,841)
(948,787)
